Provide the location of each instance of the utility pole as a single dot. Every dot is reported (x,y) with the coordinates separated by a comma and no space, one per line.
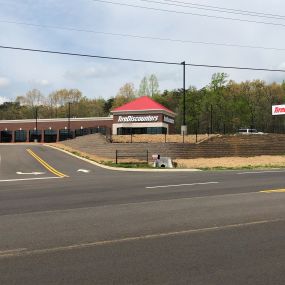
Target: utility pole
(211,119)
(184,127)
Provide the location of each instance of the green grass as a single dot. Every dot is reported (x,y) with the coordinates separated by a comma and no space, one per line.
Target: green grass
(246,167)
(127,164)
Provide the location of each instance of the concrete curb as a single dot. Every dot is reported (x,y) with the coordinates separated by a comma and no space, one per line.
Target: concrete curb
(122,168)
(21,143)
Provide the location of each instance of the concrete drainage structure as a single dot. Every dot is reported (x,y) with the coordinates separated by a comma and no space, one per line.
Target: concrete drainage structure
(163,162)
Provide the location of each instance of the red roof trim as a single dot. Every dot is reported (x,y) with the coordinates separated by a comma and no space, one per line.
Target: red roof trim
(142,104)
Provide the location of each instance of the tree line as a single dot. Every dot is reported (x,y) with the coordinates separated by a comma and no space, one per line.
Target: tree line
(223,106)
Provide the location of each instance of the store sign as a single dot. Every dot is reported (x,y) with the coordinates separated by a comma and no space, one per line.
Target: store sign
(278,110)
(168,120)
(137,119)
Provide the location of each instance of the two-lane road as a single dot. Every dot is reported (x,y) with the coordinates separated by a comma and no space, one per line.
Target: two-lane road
(66,221)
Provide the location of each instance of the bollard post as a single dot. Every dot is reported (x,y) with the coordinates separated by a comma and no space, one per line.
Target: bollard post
(183,136)
(116,156)
(147,156)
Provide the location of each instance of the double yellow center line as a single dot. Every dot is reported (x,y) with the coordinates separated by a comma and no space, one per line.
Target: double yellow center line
(46,165)
(273,191)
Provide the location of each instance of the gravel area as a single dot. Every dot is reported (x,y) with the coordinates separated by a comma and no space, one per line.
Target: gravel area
(233,162)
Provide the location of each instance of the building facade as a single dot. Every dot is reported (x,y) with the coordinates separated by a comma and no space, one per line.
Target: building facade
(52,130)
(141,116)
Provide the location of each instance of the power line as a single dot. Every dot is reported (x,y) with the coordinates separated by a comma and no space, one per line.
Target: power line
(209,8)
(235,67)
(227,9)
(88,55)
(140,37)
(140,60)
(190,13)
(216,9)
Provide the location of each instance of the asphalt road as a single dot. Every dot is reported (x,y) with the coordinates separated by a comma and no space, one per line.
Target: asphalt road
(65,221)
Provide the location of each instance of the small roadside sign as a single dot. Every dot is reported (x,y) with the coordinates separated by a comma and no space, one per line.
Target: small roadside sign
(154,156)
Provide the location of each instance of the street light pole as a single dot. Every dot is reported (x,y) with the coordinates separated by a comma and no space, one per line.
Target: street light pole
(184,127)
(69,119)
(36,120)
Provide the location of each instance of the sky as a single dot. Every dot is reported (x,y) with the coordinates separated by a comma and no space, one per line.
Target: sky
(51,25)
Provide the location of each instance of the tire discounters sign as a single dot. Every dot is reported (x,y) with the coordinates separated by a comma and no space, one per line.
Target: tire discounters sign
(168,120)
(134,119)
(278,110)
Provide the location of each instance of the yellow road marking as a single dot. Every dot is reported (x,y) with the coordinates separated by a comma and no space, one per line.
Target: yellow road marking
(273,191)
(46,165)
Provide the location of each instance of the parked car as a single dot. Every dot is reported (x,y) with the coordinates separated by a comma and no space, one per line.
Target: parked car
(248,131)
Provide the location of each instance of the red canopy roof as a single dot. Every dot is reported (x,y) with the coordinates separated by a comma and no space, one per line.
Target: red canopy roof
(142,104)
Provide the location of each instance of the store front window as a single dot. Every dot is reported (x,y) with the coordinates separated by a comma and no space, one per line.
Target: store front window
(140,131)
(35,135)
(50,136)
(6,136)
(65,134)
(21,136)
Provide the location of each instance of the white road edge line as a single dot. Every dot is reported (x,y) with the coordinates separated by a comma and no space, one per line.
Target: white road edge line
(12,251)
(261,172)
(133,239)
(29,173)
(181,185)
(27,179)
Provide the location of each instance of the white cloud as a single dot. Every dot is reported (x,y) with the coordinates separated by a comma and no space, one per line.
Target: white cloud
(44,82)
(282,65)
(4,99)
(98,71)
(40,82)
(4,82)
(169,76)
